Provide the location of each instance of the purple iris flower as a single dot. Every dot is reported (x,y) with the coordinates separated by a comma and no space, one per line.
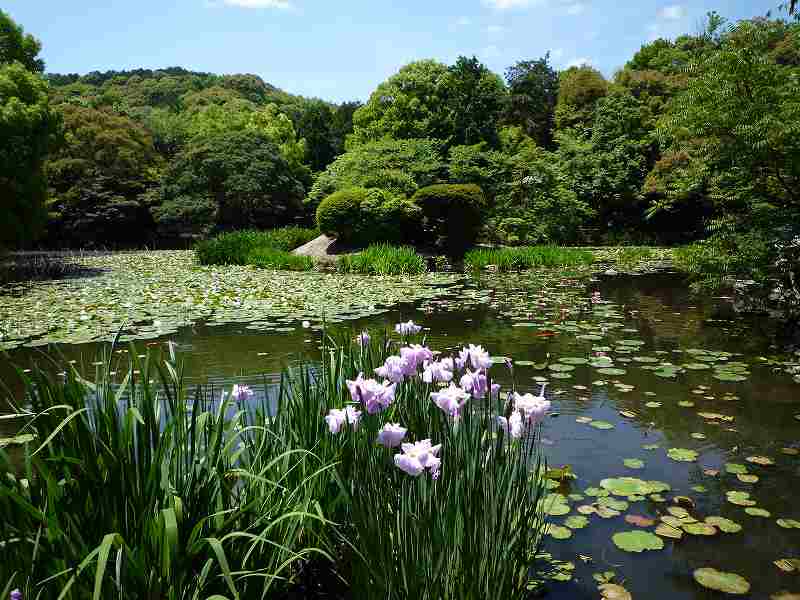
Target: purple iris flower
(475,383)
(417,457)
(533,408)
(416,355)
(391,435)
(441,371)
(16,595)
(363,338)
(395,369)
(474,355)
(241,393)
(512,426)
(409,328)
(337,417)
(450,399)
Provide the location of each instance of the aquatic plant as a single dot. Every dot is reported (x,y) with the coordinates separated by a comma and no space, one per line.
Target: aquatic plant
(143,488)
(383,259)
(525,257)
(442,504)
(238,247)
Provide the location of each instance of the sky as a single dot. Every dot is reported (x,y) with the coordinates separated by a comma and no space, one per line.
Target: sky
(341,50)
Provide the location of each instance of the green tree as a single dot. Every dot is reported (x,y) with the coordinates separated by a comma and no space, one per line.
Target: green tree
(533,92)
(28,128)
(229,180)
(475,99)
(579,89)
(17,46)
(98,179)
(398,166)
(406,106)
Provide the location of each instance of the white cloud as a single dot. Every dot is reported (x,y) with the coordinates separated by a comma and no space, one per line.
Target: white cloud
(557,54)
(282,4)
(672,13)
(583,61)
(506,4)
(463,21)
(576,9)
(495,29)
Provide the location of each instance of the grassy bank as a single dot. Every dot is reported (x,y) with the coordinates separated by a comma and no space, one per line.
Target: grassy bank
(383,259)
(525,257)
(140,486)
(269,249)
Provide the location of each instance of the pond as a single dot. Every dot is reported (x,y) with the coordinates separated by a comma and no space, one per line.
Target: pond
(647,382)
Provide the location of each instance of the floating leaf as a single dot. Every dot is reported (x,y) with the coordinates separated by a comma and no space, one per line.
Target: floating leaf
(729,376)
(630,486)
(699,529)
(788,523)
(740,498)
(593,491)
(633,463)
(653,404)
(730,583)
(559,533)
(606,512)
(571,360)
(698,436)
(764,461)
(747,478)
(724,525)
(602,425)
(639,521)
(651,446)
(583,420)
(757,512)
(637,541)
(613,503)
(576,522)
(612,591)
(628,414)
(668,531)
(789,565)
(678,512)
(686,404)
(558,367)
(682,454)
(735,468)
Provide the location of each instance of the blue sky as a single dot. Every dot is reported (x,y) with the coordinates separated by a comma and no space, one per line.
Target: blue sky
(341,49)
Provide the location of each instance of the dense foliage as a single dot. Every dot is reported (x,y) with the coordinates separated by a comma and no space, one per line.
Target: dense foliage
(237,247)
(453,214)
(28,128)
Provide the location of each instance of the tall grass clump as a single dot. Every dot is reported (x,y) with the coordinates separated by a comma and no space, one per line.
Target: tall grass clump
(525,257)
(269,258)
(242,247)
(147,489)
(442,502)
(383,259)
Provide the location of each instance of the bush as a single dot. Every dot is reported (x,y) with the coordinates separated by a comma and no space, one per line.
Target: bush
(453,213)
(339,215)
(525,257)
(361,216)
(383,259)
(238,247)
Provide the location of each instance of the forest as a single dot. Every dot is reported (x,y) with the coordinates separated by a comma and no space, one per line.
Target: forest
(693,142)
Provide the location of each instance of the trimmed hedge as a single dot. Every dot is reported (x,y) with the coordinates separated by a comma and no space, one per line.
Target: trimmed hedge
(383,259)
(364,216)
(453,214)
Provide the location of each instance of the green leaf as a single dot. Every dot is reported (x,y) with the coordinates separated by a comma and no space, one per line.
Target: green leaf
(637,541)
(682,454)
(730,583)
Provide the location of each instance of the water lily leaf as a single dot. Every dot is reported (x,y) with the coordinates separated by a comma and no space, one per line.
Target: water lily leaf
(730,583)
(740,498)
(574,360)
(607,513)
(639,521)
(586,509)
(630,486)
(700,489)
(560,368)
(576,522)
(651,446)
(784,596)
(788,523)
(686,404)
(699,529)
(696,366)
(595,492)
(657,498)
(653,404)
(764,461)
(628,414)
(668,531)
(602,425)
(559,533)
(583,420)
(612,591)
(735,468)
(789,565)
(790,451)
(645,359)
(730,377)
(757,512)
(682,454)
(698,436)
(612,371)
(724,525)
(637,541)
(633,463)
(747,478)
(613,503)
(678,512)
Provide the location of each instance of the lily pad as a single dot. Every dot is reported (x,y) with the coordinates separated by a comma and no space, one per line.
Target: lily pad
(560,368)
(764,461)
(613,503)
(754,511)
(740,498)
(735,468)
(559,533)
(576,522)
(682,454)
(699,529)
(602,425)
(747,478)
(612,372)
(629,486)
(637,541)
(730,583)
(574,360)
(724,525)
(633,463)
(639,521)
(668,531)
(788,523)
(612,591)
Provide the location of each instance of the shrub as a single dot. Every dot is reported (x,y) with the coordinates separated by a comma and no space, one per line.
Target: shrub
(362,216)
(525,257)
(383,259)
(237,247)
(339,214)
(453,213)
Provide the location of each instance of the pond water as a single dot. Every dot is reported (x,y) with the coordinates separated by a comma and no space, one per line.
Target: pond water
(651,374)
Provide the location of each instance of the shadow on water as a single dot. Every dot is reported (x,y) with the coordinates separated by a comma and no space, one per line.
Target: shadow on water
(521,317)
